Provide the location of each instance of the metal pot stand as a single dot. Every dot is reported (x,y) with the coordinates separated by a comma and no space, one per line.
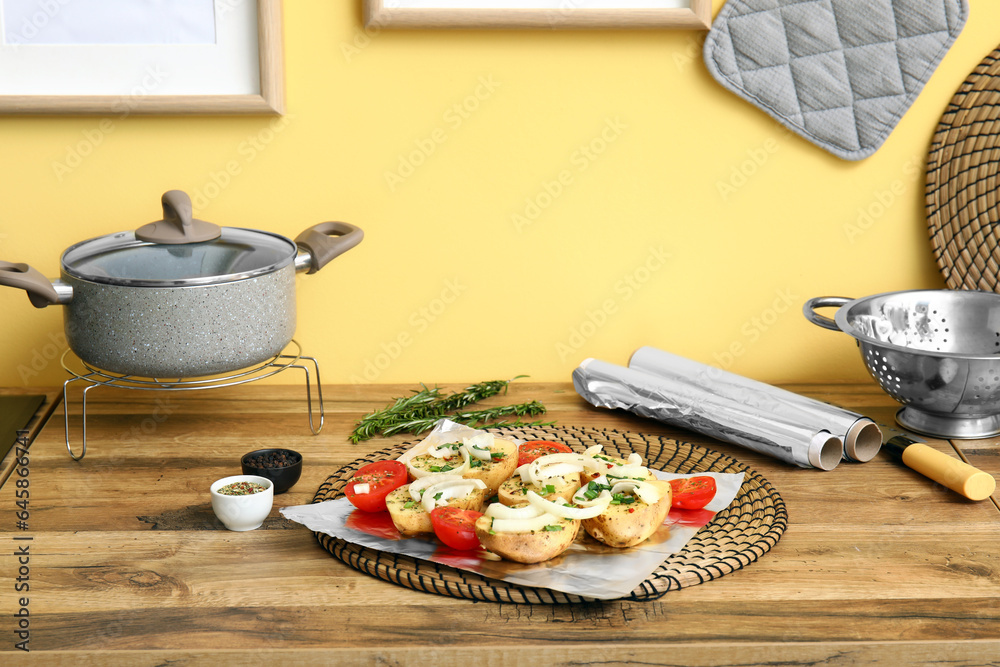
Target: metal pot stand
(290,357)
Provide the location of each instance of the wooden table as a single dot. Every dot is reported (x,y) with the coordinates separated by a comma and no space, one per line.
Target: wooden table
(129,566)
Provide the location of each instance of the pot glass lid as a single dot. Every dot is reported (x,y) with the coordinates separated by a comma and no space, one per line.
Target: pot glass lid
(122,259)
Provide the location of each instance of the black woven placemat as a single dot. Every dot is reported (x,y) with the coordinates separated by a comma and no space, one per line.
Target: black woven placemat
(736,537)
(963,183)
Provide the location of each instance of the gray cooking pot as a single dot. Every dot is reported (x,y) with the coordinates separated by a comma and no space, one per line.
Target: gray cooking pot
(181,297)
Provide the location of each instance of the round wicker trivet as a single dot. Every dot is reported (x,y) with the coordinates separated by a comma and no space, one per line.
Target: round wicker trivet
(963,182)
(736,537)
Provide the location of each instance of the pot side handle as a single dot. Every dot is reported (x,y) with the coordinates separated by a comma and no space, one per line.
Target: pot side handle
(328,240)
(40,290)
(809,310)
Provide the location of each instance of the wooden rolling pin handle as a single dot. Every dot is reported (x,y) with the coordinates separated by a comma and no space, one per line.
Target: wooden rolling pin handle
(957,475)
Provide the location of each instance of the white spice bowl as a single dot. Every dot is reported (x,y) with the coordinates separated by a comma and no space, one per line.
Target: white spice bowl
(242,513)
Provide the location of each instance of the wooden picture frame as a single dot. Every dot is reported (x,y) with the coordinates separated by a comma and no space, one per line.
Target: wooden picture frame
(690,15)
(267,99)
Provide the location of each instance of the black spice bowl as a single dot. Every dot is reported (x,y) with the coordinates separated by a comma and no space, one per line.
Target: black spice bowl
(282,466)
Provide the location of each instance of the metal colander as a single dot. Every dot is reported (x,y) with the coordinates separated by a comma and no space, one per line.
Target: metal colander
(935,351)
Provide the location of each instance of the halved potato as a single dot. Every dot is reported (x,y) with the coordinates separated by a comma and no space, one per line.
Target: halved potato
(431,465)
(499,468)
(533,547)
(514,491)
(492,472)
(611,462)
(410,517)
(627,525)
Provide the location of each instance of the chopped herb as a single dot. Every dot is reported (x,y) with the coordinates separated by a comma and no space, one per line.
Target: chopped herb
(552,528)
(614,476)
(622,499)
(496,456)
(475,463)
(548,488)
(594,489)
(444,468)
(409,504)
(437,496)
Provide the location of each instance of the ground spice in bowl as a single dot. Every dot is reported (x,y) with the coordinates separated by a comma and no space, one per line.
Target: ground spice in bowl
(241,489)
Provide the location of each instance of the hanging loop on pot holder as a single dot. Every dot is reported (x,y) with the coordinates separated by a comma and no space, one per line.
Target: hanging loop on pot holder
(39,288)
(177,225)
(328,240)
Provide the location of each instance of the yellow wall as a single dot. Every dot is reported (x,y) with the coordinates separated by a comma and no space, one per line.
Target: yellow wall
(641,244)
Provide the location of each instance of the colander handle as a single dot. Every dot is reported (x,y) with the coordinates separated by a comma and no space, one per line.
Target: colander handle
(809,310)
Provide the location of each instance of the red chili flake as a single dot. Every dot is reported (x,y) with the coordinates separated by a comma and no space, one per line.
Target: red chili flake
(610,466)
(631,509)
(241,489)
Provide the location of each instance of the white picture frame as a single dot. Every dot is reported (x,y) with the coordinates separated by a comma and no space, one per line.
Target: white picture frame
(542,14)
(241,73)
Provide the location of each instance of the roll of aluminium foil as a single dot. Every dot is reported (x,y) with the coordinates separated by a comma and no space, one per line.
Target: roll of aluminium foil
(861,436)
(700,409)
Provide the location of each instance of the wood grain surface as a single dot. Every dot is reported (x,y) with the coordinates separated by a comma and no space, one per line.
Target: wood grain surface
(129,566)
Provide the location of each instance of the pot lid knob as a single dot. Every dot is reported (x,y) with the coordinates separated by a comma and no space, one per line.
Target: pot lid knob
(177,225)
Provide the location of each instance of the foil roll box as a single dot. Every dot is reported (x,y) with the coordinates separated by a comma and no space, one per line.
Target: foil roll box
(731,408)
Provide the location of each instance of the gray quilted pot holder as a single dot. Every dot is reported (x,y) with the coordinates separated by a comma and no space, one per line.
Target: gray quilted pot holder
(841,73)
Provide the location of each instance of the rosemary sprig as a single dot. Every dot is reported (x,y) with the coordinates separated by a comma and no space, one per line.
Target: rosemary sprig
(472,394)
(404,407)
(425,404)
(471,418)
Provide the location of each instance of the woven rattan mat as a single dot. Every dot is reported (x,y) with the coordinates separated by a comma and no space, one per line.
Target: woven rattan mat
(736,537)
(963,182)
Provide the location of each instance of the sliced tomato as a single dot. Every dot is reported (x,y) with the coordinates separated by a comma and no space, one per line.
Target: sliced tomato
(382,477)
(531,450)
(456,527)
(692,493)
